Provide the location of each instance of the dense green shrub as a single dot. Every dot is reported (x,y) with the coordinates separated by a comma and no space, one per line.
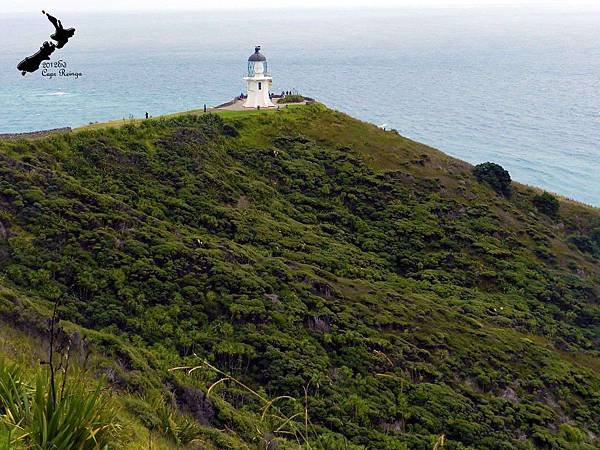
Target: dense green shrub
(156,415)
(547,204)
(230,130)
(292,98)
(495,176)
(572,434)
(584,243)
(596,236)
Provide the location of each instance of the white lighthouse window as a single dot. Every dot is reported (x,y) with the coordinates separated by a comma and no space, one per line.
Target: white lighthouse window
(259,86)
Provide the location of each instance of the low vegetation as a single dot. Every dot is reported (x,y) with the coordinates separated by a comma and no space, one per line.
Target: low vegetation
(291,98)
(333,286)
(547,204)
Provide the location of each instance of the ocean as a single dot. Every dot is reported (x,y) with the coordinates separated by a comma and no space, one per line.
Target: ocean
(520,87)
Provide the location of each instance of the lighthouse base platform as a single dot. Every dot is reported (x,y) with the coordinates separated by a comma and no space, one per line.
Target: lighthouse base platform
(237,104)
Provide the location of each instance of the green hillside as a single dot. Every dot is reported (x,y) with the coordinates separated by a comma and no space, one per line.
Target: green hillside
(337,286)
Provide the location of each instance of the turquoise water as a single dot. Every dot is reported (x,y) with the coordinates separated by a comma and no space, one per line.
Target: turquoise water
(518,87)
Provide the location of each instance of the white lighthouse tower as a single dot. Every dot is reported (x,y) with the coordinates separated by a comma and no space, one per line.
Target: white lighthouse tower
(258,82)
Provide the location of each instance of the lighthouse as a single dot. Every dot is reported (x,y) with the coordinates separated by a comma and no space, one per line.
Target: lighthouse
(258,82)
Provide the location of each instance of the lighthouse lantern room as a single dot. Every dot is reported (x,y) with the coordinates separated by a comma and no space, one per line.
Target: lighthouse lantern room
(258,82)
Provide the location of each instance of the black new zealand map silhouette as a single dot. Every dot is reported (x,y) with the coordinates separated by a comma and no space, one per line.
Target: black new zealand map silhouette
(61,35)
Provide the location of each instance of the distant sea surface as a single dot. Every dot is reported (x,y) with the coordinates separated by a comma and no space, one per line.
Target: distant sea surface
(514,86)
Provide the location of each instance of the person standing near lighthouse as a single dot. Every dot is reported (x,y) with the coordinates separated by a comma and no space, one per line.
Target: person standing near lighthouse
(258,82)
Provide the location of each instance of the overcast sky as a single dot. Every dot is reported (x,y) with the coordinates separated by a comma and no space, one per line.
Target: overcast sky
(147,5)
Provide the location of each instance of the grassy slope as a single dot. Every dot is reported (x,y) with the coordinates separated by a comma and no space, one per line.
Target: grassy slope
(314,250)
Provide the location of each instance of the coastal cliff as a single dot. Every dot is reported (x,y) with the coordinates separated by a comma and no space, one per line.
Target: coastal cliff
(335,285)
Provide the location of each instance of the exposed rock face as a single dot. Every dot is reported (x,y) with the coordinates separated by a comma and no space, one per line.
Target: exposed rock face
(196,403)
(318,324)
(510,395)
(397,426)
(322,290)
(269,441)
(274,298)
(3,232)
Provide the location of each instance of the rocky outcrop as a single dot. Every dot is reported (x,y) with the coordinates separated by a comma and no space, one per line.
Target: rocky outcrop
(34,134)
